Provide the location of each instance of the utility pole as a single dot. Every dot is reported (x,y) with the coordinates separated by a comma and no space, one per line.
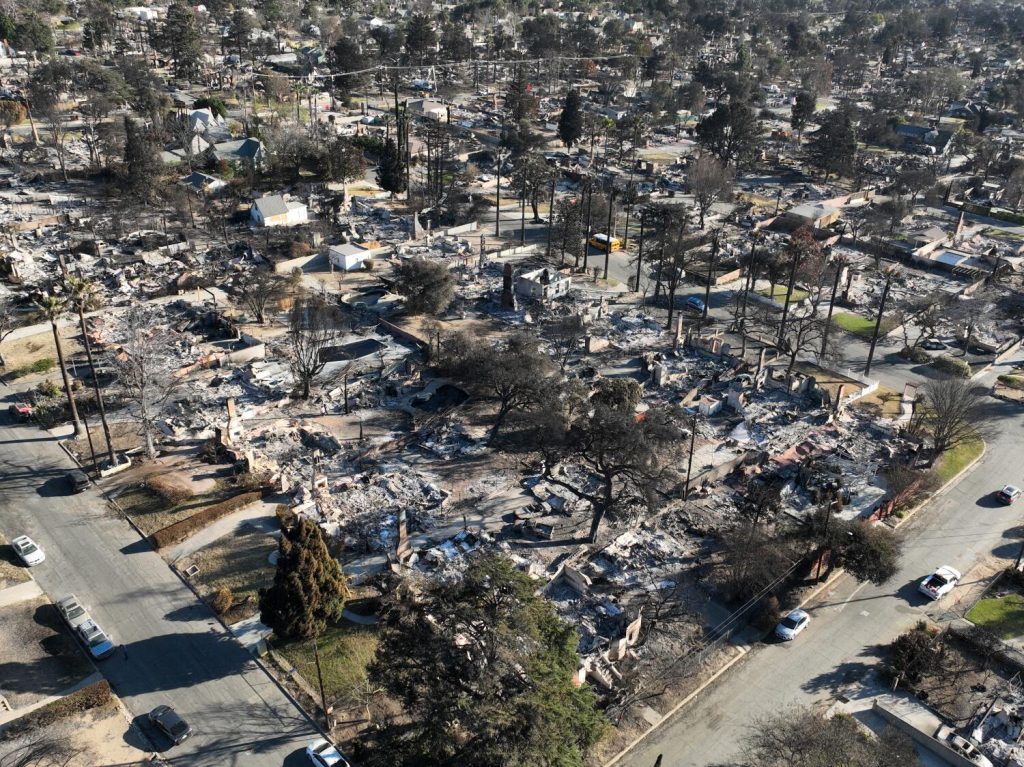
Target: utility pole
(320,681)
(551,215)
(890,275)
(586,240)
(711,274)
(640,249)
(611,229)
(840,265)
(689,461)
(828,525)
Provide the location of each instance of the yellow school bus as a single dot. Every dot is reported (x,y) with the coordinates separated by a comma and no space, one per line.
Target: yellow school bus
(601,242)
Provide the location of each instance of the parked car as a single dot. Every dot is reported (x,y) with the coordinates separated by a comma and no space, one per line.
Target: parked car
(95,639)
(940,583)
(77,480)
(22,411)
(968,750)
(695,304)
(322,753)
(932,345)
(171,724)
(792,625)
(1009,494)
(28,551)
(72,611)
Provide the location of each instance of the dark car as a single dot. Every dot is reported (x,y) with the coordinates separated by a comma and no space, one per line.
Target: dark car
(77,480)
(170,724)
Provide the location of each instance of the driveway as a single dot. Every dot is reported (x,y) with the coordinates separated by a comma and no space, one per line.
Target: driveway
(175,651)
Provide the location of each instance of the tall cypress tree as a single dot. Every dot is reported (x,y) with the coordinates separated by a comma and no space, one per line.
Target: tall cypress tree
(309,589)
(141,164)
(570,122)
(391,170)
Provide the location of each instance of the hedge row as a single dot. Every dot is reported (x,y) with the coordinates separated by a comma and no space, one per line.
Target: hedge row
(95,695)
(954,366)
(179,531)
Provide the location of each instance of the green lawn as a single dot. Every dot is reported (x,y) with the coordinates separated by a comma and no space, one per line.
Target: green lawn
(345,652)
(953,462)
(780,294)
(1003,616)
(861,326)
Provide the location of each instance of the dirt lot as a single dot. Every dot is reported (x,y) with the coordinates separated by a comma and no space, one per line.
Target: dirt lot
(38,657)
(100,738)
(237,562)
(965,683)
(12,571)
(26,350)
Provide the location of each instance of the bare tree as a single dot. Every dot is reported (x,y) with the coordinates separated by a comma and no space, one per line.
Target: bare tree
(564,334)
(950,413)
(311,332)
(146,367)
(49,747)
(8,321)
(710,181)
(258,290)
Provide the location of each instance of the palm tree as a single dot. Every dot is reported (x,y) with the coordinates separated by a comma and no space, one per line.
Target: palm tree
(52,308)
(82,294)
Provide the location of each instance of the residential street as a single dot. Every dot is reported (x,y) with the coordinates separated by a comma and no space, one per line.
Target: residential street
(850,622)
(175,651)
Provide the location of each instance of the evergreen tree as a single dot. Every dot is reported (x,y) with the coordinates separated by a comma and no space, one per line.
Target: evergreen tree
(833,147)
(179,38)
(484,669)
(730,133)
(570,122)
(391,169)
(309,589)
(141,164)
(420,37)
(803,110)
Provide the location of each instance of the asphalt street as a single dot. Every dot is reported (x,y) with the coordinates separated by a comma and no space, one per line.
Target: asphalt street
(851,623)
(175,651)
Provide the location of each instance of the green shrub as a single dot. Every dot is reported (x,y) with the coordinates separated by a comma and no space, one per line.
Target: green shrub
(45,365)
(179,531)
(954,366)
(915,354)
(93,696)
(48,388)
(285,516)
(1012,381)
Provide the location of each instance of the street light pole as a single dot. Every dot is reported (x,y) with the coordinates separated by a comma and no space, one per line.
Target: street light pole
(689,461)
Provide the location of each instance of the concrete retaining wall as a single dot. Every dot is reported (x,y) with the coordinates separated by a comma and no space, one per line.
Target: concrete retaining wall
(285,267)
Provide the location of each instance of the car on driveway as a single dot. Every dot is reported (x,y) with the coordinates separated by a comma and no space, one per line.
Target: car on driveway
(77,480)
(1009,494)
(322,753)
(170,724)
(792,625)
(940,583)
(968,750)
(28,551)
(95,639)
(932,345)
(695,304)
(72,611)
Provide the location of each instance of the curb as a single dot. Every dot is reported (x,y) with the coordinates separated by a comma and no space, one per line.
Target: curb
(688,699)
(836,575)
(255,658)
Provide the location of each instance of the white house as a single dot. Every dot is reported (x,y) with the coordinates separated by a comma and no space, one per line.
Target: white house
(542,284)
(348,257)
(434,110)
(277,210)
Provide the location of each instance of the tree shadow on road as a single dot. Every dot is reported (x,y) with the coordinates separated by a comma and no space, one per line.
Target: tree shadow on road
(846,673)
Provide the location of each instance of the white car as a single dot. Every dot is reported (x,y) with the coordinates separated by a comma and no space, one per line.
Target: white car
(72,611)
(322,753)
(100,645)
(940,583)
(28,551)
(792,625)
(968,750)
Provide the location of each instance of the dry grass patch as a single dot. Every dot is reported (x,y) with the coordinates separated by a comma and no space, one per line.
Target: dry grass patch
(237,562)
(883,402)
(152,511)
(12,571)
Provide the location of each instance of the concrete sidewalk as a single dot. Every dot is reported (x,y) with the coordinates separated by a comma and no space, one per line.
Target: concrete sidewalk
(19,593)
(260,514)
(10,716)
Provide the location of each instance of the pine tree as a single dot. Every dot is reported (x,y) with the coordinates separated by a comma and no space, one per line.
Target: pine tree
(309,589)
(141,164)
(391,170)
(570,122)
(802,111)
(179,38)
(834,145)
